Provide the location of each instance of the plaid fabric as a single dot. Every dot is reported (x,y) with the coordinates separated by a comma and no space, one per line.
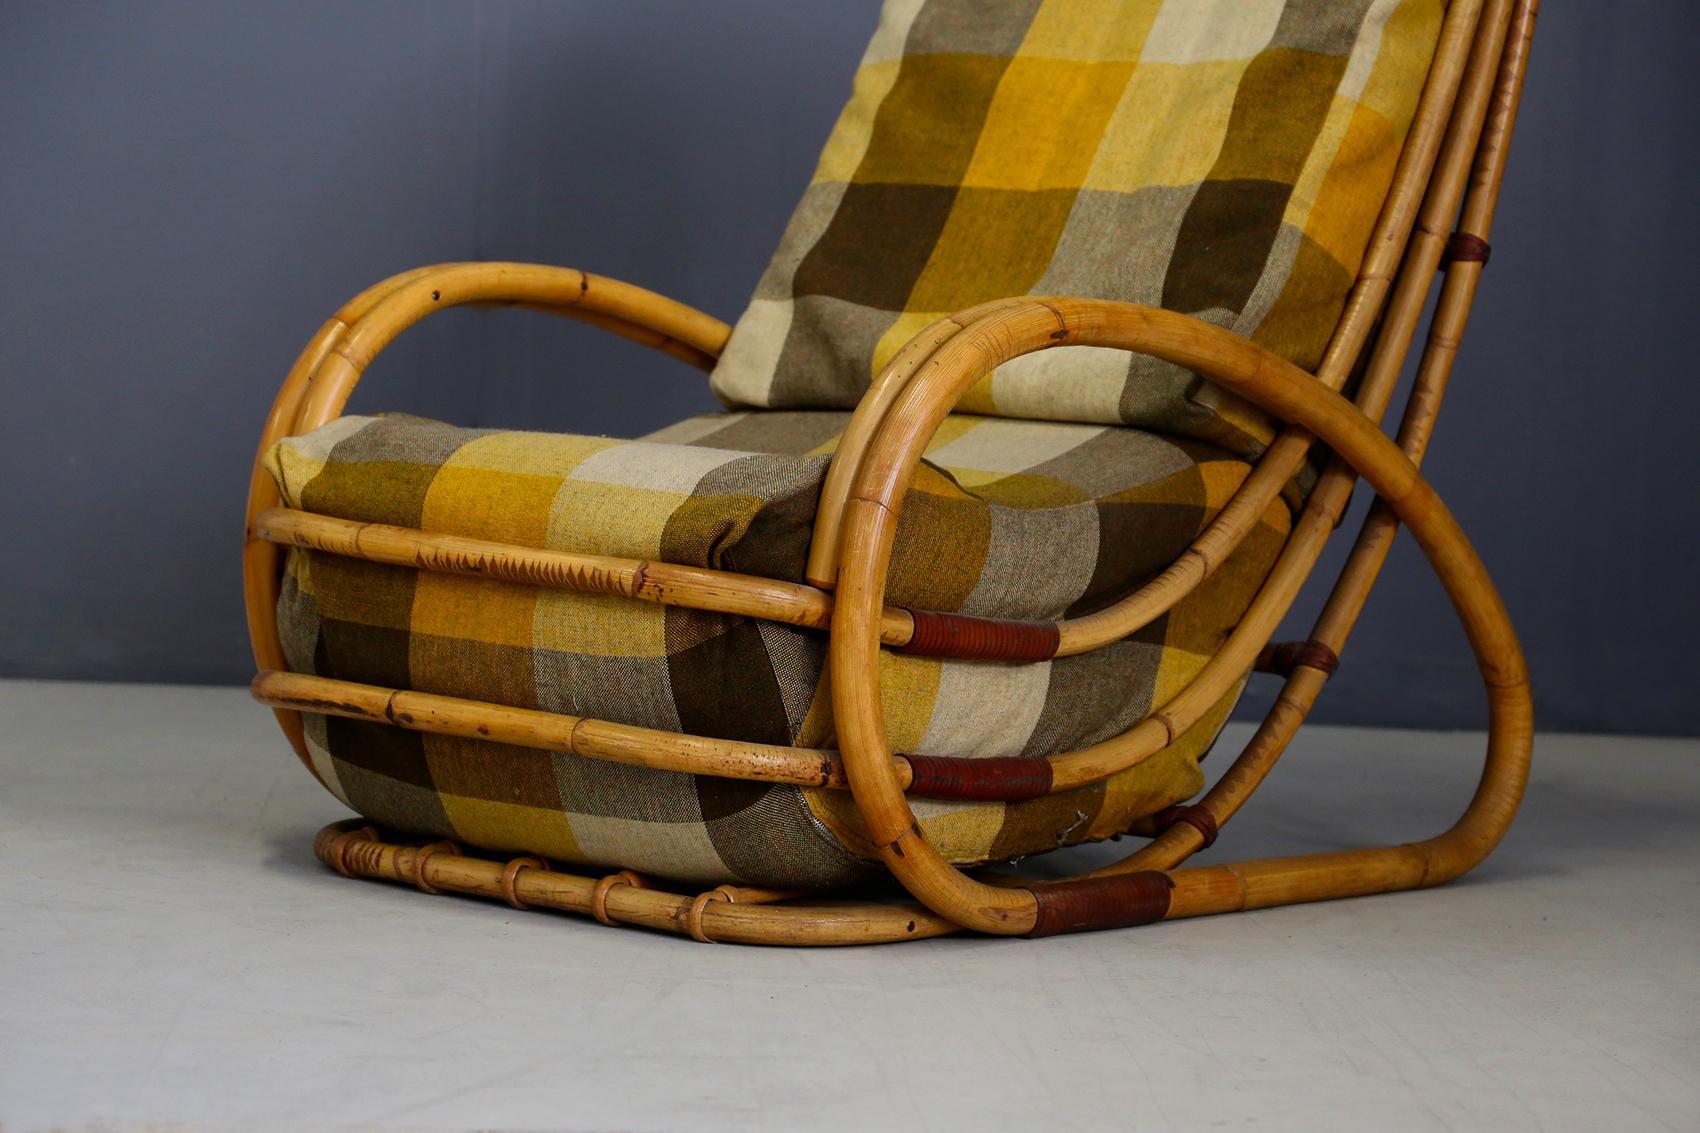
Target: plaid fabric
(1225,158)
(1006,518)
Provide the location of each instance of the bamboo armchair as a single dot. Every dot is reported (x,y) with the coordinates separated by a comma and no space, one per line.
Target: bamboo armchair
(1437,219)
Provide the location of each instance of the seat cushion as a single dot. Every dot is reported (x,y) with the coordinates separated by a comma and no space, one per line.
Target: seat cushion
(1223,158)
(1005,518)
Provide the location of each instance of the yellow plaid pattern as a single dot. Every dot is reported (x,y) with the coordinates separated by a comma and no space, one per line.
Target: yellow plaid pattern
(1020,519)
(1224,158)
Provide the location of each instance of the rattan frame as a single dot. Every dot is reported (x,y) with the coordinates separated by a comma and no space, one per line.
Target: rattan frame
(1437,218)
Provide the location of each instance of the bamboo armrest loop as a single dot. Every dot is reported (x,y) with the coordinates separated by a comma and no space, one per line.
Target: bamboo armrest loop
(1195,816)
(1282,657)
(511,872)
(1464,247)
(425,854)
(599,895)
(1266,380)
(1082,904)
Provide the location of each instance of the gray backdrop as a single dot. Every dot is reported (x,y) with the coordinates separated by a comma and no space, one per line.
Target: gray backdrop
(187,189)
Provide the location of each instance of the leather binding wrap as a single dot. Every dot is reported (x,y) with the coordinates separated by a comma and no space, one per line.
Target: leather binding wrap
(1282,657)
(980,639)
(1195,816)
(1086,903)
(997,779)
(1465,248)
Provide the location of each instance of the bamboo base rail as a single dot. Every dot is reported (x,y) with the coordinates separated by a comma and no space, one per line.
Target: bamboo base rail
(1450,170)
(356,850)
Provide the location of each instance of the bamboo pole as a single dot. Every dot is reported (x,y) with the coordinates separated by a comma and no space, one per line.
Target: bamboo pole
(992,779)
(553,731)
(697,588)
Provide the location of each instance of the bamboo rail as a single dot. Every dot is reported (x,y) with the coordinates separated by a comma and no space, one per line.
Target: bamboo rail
(1452,166)
(697,588)
(552,731)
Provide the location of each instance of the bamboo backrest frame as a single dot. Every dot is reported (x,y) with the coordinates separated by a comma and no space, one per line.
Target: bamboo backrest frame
(1450,171)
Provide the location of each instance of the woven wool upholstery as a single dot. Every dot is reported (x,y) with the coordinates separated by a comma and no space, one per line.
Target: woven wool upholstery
(1222,158)
(1006,518)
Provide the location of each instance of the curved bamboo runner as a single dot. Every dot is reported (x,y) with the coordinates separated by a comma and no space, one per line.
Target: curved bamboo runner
(1451,169)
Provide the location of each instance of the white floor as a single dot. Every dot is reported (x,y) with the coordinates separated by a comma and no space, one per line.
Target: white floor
(172,957)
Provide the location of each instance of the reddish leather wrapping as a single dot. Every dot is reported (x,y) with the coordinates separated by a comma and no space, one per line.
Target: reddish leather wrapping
(1194,816)
(982,639)
(1087,903)
(1463,247)
(1283,657)
(996,779)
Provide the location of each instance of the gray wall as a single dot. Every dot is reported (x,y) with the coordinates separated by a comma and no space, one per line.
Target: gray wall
(186,189)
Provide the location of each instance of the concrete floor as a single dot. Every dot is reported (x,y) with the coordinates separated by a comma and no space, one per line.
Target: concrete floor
(172,956)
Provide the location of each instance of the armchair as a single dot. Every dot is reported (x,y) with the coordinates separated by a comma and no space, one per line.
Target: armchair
(825,568)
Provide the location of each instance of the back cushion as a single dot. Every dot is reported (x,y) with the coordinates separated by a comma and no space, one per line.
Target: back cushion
(1224,158)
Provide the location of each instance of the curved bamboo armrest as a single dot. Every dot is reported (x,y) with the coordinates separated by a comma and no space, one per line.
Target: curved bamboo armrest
(622,308)
(869,527)
(324,375)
